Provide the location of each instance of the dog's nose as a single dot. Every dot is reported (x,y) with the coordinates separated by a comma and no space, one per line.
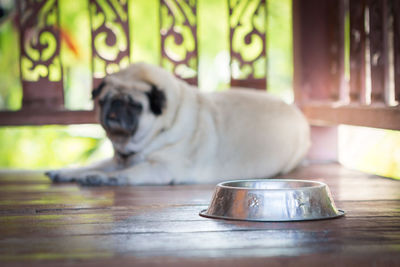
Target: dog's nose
(119,116)
(116,110)
(112,115)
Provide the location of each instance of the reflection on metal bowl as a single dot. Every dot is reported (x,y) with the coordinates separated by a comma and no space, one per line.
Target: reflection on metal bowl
(272,200)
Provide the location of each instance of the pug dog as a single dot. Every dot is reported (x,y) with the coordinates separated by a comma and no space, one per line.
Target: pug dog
(165,131)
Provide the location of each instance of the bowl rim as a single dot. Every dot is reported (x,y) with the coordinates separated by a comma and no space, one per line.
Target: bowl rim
(203,213)
(317,186)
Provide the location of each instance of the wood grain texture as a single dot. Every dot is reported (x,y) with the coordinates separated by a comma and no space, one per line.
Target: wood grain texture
(318,47)
(378,42)
(46,116)
(377,116)
(44,224)
(396,47)
(357,51)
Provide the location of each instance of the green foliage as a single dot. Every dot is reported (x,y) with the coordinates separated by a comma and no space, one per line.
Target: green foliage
(144,31)
(10,88)
(280,49)
(213,42)
(76,53)
(49,146)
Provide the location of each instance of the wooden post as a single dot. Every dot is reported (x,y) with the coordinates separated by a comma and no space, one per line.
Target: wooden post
(396,46)
(357,51)
(318,39)
(378,39)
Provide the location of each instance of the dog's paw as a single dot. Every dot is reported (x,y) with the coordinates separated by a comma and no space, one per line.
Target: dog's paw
(60,176)
(98,178)
(92,178)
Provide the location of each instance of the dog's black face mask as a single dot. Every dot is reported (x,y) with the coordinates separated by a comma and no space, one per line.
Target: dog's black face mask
(120,115)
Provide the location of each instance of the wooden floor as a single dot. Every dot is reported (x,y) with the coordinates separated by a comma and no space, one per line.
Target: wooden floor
(42,224)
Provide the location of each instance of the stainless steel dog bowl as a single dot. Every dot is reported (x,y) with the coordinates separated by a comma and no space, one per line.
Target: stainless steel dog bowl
(272,200)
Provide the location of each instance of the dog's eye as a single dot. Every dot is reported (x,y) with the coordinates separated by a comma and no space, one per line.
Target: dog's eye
(136,106)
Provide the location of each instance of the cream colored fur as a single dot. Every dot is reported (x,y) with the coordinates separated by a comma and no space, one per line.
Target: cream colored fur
(200,137)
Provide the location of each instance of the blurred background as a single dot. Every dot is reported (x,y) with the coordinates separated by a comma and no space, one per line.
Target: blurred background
(45,147)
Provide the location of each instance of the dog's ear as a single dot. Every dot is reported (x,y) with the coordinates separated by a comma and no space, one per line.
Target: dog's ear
(96,92)
(157,100)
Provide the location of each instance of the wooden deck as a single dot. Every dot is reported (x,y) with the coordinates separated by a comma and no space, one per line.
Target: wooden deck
(42,224)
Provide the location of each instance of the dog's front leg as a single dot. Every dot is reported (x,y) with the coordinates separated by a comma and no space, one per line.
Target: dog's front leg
(145,173)
(75,174)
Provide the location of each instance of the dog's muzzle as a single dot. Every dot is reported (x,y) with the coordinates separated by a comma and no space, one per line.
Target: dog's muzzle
(121,116)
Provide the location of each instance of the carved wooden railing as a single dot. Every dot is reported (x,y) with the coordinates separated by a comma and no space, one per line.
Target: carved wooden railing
(248,48)
(41,67)
(371,97)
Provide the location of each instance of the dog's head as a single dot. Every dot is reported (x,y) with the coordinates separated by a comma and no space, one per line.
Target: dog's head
(128,103)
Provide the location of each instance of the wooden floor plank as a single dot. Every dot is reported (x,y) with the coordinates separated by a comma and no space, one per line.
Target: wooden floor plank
(57,225)
(57,229)
(266,243)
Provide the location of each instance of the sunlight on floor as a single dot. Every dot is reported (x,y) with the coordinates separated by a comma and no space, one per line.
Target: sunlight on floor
(370,150)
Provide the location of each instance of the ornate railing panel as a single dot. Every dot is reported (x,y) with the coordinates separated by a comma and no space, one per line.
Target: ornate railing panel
(40,63)
(110,37)
(247,24)
(179,46)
